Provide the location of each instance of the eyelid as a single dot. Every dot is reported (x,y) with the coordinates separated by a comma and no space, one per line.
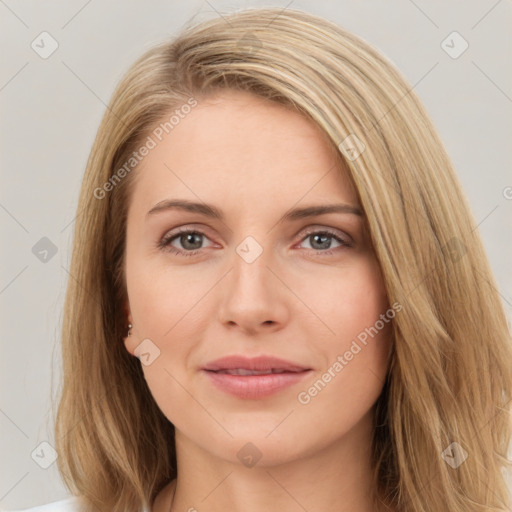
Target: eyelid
(331,231)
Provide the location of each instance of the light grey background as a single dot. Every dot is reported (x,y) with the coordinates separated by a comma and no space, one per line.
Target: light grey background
(51,109)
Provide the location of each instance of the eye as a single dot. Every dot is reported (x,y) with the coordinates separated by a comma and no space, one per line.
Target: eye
(190,242)
(321,241)
(189,239)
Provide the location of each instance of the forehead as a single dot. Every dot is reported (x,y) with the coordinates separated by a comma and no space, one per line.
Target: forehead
(235,146)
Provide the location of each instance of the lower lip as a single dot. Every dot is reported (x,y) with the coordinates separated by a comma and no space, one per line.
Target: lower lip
(255,386)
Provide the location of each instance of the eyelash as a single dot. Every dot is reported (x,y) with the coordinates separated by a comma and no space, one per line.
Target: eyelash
(165,243)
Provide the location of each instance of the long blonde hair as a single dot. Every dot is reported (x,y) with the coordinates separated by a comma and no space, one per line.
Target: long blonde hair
(450,378)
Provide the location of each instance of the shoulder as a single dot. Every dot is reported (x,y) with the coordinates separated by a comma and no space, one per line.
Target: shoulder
(66,505)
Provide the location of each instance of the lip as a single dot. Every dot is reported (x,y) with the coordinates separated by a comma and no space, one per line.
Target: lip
(254,386)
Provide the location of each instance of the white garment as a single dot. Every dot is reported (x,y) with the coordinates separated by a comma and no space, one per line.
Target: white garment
(66,505)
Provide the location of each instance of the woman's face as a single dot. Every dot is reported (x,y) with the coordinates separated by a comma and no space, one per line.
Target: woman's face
(252,281)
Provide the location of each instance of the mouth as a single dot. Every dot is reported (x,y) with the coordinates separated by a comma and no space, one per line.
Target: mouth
(254,378)
(265,364)
(247,372)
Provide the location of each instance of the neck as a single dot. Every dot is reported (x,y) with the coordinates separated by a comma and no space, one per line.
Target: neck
(334,477)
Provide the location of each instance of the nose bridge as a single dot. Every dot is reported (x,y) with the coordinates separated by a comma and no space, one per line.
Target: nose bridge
(253,297)
(251,275)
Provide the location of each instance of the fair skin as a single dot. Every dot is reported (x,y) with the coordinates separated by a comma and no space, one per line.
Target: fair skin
(255,161)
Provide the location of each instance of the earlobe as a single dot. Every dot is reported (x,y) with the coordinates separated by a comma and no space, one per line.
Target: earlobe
(130,341)
(129,345)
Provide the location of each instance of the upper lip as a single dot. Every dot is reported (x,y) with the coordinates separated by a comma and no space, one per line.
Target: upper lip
(259,363)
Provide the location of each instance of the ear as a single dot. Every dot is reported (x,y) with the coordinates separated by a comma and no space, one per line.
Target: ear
(129,341)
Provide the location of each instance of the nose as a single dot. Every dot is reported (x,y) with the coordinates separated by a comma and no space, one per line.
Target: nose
(253,296)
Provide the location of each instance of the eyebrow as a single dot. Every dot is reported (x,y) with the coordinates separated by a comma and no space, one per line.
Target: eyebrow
(211,211)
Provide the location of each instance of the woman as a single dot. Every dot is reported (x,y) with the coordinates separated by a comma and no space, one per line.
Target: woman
(279,297)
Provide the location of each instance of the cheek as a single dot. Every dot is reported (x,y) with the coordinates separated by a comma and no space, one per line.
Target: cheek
(348,299)
(163,309)
(355,350)
(168,309)
(164,300)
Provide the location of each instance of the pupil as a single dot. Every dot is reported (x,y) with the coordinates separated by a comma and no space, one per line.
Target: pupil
(315,237)
(189,237)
